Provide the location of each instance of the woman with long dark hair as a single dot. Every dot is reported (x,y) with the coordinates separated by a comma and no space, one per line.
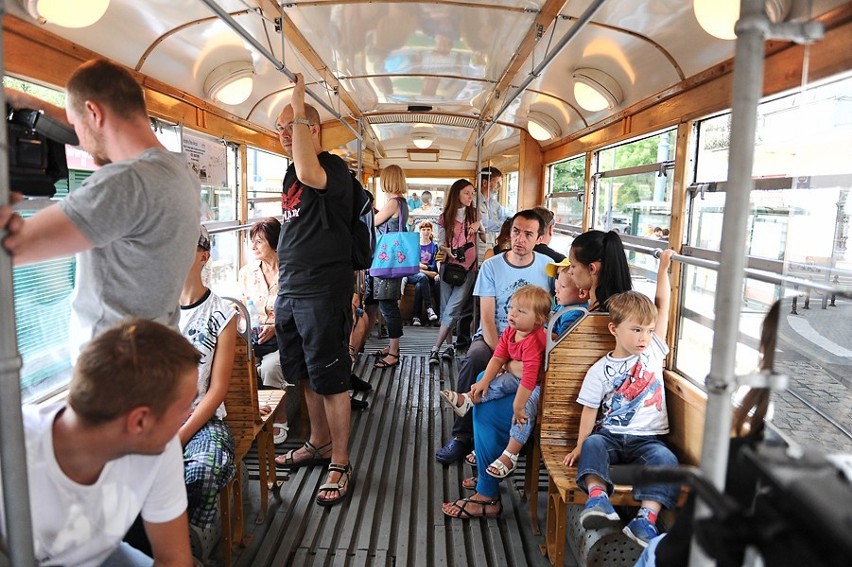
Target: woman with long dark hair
(460,223)
(599,264)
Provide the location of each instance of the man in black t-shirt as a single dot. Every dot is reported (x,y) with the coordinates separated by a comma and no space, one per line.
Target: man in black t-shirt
(313,309)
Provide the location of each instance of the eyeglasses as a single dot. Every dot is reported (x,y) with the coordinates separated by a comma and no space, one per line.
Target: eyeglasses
(288,128)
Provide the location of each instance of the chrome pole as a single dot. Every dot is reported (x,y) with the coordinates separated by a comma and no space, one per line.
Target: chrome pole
(752,29)
(13,456)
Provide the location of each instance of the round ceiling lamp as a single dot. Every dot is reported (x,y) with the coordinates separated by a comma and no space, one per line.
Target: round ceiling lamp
(230,83)
(718,17)
(542,127)
(67,13)
(422,135)
(594,90)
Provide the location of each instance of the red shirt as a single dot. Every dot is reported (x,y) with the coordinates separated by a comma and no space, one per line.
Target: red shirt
(529,350)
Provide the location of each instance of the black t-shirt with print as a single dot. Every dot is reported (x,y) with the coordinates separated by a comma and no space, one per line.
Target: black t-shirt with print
(314,249)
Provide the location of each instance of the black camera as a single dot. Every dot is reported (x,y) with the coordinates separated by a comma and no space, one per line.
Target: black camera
(458,253)
(36,151)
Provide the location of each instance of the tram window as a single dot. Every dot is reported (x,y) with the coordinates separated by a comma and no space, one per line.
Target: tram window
(265,178)
(633,189)
(167,134)
(803,133)
(512,193)
(799,226)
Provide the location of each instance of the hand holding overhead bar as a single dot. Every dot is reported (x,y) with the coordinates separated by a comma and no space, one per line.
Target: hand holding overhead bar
(279,65)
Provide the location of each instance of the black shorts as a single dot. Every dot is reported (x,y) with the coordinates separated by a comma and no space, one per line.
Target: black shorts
(313,339)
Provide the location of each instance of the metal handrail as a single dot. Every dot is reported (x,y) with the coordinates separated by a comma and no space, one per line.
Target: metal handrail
(279,65)
(536,73)
(751,273)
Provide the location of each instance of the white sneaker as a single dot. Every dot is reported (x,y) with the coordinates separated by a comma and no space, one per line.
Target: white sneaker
(432,315)
(415,321)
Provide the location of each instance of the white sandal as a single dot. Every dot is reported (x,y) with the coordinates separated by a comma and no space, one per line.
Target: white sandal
(502,470)
(453,399)
(279,432)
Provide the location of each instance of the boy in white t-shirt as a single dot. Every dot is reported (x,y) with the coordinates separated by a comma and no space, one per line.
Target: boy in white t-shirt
(111,451)
(627,387)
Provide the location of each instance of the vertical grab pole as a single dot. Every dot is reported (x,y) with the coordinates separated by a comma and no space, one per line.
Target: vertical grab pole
(752,29)
(13,457)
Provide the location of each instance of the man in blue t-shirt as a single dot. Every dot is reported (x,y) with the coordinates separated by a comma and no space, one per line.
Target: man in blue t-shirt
(499,277)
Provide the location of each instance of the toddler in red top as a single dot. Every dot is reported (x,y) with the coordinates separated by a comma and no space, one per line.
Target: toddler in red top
(514,369)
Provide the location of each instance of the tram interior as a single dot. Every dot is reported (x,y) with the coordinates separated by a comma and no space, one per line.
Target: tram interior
(616,115)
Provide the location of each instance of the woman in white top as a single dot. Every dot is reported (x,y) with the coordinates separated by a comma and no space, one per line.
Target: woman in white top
(259,284)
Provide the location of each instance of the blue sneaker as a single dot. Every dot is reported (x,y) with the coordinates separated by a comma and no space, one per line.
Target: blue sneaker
(598,513)
(641,531)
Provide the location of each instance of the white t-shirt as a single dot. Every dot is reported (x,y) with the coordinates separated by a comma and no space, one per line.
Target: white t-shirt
(201,324)
(629,391)
(76,524)
(500,279)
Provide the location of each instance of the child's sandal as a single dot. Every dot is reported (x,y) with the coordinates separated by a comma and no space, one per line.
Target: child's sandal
(498,469)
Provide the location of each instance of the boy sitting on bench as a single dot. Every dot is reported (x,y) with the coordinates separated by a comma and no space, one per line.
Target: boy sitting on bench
(627,386)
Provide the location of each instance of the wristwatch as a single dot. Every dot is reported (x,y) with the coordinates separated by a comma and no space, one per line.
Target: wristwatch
(304,121)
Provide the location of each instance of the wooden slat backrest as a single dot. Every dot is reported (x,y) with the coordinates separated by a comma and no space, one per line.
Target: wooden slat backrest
(567,364)
(241,403)
(686,404)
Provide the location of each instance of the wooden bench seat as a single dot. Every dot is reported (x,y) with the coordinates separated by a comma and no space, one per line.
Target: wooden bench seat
(242,404)
(566,365)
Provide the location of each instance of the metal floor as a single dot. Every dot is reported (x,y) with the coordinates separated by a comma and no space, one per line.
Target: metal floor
(393,515)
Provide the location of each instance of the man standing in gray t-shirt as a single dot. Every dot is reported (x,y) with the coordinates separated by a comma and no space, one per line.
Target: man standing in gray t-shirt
(133,224)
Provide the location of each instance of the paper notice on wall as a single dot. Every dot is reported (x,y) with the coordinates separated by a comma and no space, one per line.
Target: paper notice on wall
(207,158)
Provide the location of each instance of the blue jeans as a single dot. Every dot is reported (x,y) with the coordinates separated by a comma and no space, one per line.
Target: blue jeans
(393,318)
(504,385)
(475,362)
(453,299)
(604,448)
(422,292)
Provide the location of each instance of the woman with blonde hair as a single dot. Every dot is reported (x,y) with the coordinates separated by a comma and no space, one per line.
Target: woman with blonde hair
(386,291)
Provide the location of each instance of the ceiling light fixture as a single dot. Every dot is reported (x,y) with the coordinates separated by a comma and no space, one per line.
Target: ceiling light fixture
(594,90)
(66,13)
(230,83)
(542,127)
(422,135)
(718,17)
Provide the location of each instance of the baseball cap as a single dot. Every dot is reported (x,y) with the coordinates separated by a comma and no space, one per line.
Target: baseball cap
(204,239)
(553,268)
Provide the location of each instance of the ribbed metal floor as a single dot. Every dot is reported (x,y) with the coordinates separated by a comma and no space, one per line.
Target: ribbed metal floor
(393,516)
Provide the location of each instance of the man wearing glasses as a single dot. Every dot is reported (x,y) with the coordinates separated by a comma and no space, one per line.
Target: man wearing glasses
(313,311)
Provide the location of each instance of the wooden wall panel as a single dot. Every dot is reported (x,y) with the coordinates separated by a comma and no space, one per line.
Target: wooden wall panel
(530,173)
